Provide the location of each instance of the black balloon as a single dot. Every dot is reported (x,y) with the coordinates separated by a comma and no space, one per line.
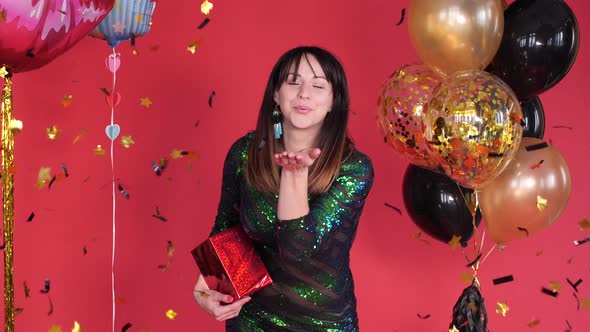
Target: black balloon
(533,117)
(539,46)
(438,205)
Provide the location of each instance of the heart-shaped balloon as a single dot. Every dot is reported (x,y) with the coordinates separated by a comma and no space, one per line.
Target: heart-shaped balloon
(112,131)
(34,32)
(113,62)
(113,99)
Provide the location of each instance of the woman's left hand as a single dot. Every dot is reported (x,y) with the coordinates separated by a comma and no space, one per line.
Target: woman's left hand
(293,161)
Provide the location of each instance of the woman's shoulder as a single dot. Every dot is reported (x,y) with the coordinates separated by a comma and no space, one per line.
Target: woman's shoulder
(241,145)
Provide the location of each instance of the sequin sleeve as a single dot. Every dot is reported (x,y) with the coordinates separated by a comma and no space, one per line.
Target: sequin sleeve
(340,206)
(228,210)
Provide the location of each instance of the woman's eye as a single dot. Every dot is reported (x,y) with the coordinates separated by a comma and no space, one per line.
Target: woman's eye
(293,83)
(318,86)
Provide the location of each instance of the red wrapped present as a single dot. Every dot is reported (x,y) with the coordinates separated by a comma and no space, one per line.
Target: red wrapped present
(230,265)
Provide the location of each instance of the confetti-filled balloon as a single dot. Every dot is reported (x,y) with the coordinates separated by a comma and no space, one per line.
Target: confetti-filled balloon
(34,32)
(128,19)
(473,127)
(401,105)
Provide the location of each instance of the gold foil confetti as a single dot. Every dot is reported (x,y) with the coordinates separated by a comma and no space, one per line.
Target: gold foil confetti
(52,132)
(467,277)
(585,303)
(145,102)
(418,236)
(193,46)
(453,329)
(584,224)
(175,154)
(3,14)
(455,242)
(67,101)
(55,328)
(82,133)
(534,323)
(77,327)
(541,203)
(3,72)
(206,7)
(554,286)
(15,125)
(171,314)
(120,300)
(139,18)
(126,141)
(154,48)
(99,151)
(502,308)
(43,177)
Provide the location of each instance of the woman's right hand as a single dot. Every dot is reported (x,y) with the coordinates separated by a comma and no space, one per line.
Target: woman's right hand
(211,301)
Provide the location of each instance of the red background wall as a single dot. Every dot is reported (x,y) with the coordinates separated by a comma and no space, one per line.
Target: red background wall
(398,277)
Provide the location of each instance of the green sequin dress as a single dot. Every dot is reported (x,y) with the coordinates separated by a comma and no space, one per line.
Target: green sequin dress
(307,258)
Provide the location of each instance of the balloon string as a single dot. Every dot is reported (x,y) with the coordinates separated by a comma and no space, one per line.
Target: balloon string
(114,100)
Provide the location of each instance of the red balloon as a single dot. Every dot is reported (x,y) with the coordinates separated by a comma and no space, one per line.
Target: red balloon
(34,32)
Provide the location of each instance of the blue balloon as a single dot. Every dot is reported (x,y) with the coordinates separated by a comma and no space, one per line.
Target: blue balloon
(128,19)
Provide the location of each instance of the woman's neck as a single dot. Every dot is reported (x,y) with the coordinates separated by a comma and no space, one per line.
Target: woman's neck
(296,141)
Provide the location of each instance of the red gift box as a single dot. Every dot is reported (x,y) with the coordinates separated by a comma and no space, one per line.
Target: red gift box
(230,265)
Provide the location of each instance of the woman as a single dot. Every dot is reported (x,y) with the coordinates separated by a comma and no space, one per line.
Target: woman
(298,187)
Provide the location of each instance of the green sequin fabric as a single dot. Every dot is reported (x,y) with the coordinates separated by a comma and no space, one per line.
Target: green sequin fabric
(307,258)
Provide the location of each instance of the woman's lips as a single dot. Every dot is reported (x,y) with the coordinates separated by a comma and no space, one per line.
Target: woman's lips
(302,109)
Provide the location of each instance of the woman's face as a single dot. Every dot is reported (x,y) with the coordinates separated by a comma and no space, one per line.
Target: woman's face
(305,97)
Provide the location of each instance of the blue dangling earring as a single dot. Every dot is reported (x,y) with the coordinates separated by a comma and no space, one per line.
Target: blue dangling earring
(276,121)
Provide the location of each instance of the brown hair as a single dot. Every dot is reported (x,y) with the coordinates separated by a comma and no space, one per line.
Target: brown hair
(334,141)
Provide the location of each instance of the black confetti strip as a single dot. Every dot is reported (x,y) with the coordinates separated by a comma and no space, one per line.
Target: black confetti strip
(401,20)
(569,326)
(156,168)
(564,127)
(50,306)
(51,182)
(495,155)
(31,217)
(204,23)
(84,250)
(123,191)
(579,242)
(63,167)
(211,97)
(577,301)
(26,289)
(423,316)
(522,229)
(470,264)
(126,327)
(574,285)
(549,292)
(158,215)
(47,287)
(105,91)
(503,280)
(394,208)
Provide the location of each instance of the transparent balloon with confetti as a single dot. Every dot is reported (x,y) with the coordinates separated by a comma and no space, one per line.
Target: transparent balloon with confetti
(401,103)
(473,127)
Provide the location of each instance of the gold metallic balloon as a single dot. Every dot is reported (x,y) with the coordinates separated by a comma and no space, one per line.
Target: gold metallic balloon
(473,127)
(529,195)
(455,35)
(400,106)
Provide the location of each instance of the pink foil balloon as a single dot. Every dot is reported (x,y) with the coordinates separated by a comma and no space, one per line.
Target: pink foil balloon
(34,32)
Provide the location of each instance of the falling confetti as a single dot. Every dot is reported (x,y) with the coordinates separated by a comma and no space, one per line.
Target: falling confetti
(3,72)
(502,308)
(47,287)
(579,242)
(43,177)
(584,224)
(55,328)
(206,7)
(586,303)
(171,314)
(84,250)
(503,280)
(193,46)
(82,133)
(27,289)
(158,215)
(426,316)
(145,102)
(52,132)
(394,208)
(99,151)
(574,285)
(475,261)
(538,146)
(401,20)
(455,242)
(534,323)
(67,101)
(175,154)
(522,229)
(31,216)
(123,191)
(467,277)
(555,286)
(549,292)
(126,141)
(211,97)
(126,327)
(50,312)
(204,23)
(454,329)
(77,327)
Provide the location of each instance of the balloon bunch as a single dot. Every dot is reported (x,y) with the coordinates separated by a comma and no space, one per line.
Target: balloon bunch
(32,35)
(469,120)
